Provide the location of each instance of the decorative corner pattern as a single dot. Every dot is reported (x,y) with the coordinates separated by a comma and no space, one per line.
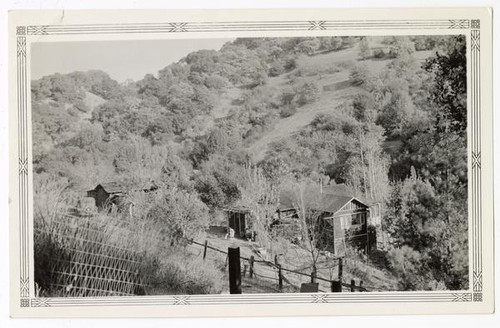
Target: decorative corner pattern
(181,300)
(25,302)
(21,30)
(475,40)
(459,24)
(37,30)
(478,281)
(40,302)
(178,27)
(475,24)
(320,25)
(21,46)
(462,297)
(476,160)
(319,298)
(23,166)
(25,287)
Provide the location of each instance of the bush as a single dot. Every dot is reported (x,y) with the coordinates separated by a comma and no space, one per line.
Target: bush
(360,75)
(277,68)
(409,266)
(402,47)
(378,53)
(288,111)
(307,93)
(348,41)
(290,64)
(215,82)
(364,48)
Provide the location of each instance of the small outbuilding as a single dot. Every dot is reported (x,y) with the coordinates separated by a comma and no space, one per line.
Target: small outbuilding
(107,193)
(113,193)
(237,220)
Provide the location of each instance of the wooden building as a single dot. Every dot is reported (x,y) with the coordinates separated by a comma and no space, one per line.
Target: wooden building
(107,194)
(237,220)
(342,217)
(113,194)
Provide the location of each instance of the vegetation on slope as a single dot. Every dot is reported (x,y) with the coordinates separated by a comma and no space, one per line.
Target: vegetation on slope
(386,116)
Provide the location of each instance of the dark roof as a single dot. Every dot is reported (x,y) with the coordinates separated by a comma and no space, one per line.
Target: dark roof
(343,190)
(114,187)
(237,209)
(332,199)
(111,187)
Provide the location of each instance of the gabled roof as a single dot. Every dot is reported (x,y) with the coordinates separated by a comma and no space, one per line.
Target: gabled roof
(343,190)
(114,187)
(111,187)
(332,199)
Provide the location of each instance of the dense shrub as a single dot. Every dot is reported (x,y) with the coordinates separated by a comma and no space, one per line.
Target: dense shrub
(308,92)
(290,63)
(277,68)
(402,47)
(378,53)
(360,75)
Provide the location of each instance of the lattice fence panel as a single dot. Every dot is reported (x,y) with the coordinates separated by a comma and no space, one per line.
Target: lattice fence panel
(91,264)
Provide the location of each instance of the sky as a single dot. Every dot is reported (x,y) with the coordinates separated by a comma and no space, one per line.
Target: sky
(122,60)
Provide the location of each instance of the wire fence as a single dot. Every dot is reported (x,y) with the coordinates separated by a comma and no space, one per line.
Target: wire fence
(90,263)
(259,275)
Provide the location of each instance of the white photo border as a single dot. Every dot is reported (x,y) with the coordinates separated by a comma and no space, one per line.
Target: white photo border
(25,34)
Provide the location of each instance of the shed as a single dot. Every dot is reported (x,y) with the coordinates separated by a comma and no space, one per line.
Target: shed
(108,193)
(236,220)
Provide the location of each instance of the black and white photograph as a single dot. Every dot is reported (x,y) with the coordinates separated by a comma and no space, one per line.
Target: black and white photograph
(231,168)
(253,165)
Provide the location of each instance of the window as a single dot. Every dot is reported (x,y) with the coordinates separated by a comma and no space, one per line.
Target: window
(358,219)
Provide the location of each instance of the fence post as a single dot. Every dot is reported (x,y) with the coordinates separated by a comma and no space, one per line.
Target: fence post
(353,283)
(205,249)
(234,270)
(313,275)
(245,270)
(280,278)
(361,285)
(336,286)
(341,269)
(250,270)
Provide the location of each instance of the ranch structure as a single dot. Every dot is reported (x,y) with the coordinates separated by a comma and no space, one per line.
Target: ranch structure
(113,194)
(342,218)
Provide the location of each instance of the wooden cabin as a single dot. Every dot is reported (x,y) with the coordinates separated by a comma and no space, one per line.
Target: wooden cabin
(113,194)
(106,194)
(342,217)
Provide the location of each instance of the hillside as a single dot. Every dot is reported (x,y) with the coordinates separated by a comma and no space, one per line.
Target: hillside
(236,127)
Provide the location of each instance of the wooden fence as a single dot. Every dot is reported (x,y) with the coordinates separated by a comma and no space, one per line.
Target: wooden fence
(281,281)
(88,264)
